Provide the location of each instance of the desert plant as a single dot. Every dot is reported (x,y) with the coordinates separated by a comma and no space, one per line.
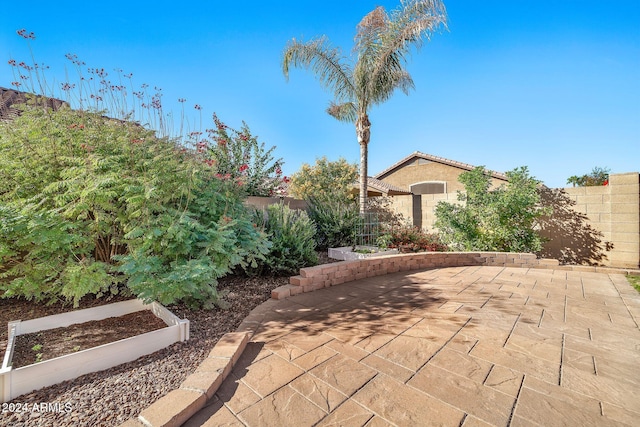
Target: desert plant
(89,204)
(92,202)
(336,221)
(291,234)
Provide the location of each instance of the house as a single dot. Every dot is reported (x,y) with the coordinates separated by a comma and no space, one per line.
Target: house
(421,173)
(420,181)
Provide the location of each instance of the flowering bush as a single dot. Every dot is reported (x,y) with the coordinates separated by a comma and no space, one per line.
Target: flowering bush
(92,205)
(237,155)
(408,238)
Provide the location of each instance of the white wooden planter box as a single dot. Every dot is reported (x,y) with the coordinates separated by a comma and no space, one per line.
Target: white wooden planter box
(15,382)
(346,254)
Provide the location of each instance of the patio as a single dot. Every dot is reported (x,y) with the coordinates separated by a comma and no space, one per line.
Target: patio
(454,346)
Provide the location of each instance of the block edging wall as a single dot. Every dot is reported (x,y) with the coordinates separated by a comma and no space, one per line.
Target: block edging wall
(327,275)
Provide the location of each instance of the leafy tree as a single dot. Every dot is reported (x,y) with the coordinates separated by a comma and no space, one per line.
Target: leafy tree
(89,204)
(597,176)
(324,179)
(500,219)
(382,43)
(239,156)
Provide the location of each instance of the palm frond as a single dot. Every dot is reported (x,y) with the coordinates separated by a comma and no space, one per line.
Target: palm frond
(415,21)
(387,83)
(406,28)
(367,46)
(345,112)
(326,62)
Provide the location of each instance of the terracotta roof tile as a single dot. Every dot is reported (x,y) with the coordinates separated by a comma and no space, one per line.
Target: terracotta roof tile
(382,187)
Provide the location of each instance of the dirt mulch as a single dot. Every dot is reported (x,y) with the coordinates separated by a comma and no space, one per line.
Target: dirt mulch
(110,397)
(29,348)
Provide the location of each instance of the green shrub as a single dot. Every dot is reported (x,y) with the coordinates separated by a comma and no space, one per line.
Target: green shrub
(325,179)
(634,281)
(88,204)
(336,220)
(500,219)
(291,234)
(411,239)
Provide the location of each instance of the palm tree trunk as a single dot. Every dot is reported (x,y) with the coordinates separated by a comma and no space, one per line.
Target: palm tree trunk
(363,132)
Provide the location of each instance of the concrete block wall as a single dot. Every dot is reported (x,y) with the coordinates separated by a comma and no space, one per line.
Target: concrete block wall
(612,210)
(429,203)
(323,276)
(624,219)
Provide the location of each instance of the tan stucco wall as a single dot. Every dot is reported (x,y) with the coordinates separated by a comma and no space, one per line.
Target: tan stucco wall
(407,175)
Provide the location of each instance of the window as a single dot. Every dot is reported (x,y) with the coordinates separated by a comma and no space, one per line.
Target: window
(430,187)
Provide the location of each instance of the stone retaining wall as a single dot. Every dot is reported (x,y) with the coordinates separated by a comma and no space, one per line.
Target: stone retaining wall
(326,275)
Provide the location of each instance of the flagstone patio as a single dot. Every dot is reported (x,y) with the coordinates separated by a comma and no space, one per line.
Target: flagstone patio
(470,346)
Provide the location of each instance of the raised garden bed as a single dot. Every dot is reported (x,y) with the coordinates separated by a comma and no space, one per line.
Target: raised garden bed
(15,382)
(347,253)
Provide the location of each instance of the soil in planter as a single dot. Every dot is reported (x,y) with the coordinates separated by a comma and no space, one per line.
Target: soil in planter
(43,345)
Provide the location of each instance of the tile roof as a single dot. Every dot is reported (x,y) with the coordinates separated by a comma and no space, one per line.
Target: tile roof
(418,154)
(376,185)
(10,97)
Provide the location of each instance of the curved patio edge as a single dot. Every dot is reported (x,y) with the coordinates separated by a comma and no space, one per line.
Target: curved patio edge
(326,275)
(176,407)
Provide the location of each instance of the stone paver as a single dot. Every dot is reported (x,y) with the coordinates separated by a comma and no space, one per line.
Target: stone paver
(457,346)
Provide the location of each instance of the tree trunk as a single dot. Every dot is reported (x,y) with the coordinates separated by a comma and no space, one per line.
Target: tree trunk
(363,132)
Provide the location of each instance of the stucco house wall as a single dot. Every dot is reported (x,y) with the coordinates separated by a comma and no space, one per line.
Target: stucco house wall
(420,167)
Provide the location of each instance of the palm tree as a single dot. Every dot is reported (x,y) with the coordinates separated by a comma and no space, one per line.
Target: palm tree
(382,44)
(575,180)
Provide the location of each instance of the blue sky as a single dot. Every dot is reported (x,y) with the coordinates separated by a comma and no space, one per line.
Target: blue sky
(551,85)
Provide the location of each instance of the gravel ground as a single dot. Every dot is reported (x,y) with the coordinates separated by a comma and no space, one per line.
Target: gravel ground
(110,397)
